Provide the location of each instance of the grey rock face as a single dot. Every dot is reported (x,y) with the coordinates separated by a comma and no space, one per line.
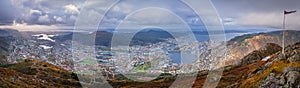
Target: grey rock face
(290,68)
(292,78)
(289,78)
(270,81)
(281,81)
(295,57)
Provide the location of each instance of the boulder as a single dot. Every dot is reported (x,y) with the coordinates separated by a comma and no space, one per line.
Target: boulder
(295,57)
(293,78)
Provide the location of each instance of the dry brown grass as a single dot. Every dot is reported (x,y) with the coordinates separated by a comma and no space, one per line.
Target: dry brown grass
(276,67)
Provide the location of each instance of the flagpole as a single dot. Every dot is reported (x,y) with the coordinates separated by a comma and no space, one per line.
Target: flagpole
(283,32)
(283,26)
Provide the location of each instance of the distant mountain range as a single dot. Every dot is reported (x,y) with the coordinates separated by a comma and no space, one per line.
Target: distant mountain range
(141,38)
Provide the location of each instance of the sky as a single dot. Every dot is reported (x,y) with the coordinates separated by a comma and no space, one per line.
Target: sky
(49,15)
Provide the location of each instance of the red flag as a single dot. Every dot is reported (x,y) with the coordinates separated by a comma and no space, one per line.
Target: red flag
(289,12)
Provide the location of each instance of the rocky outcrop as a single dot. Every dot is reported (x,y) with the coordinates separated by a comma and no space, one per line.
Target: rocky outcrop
(280,71)
(265,51)
(289,78)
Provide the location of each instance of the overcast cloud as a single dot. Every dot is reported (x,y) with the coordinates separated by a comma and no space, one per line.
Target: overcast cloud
(260,12)
(62,14)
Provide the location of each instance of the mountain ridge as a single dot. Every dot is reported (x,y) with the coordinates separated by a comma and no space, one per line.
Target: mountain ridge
(243,45)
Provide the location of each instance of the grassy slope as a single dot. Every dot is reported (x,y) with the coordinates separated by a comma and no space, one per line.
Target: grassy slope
(32,73)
